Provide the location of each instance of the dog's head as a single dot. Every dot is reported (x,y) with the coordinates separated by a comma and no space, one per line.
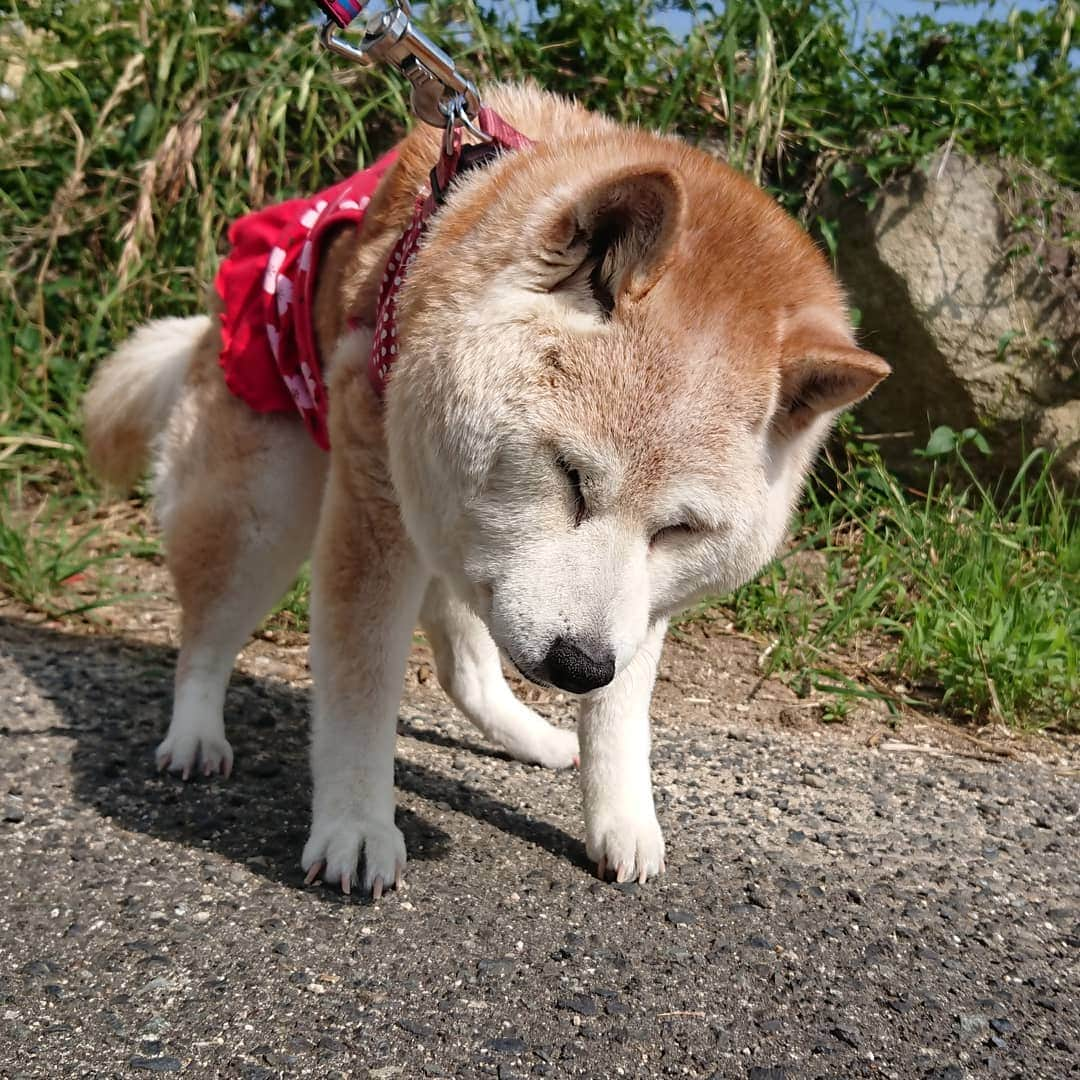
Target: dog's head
(618,359)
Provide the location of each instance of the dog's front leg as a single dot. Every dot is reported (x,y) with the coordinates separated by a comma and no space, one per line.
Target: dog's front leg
(622,834)
(367,587)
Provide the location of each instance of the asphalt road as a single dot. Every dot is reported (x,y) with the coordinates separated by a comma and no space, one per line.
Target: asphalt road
(829,910)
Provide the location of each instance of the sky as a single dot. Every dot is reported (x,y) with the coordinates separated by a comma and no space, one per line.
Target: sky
(946,11)
(878,14)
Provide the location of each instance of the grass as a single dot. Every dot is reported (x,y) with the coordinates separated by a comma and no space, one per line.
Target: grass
(291,612)
(133,132)
(956,597)
(50,566)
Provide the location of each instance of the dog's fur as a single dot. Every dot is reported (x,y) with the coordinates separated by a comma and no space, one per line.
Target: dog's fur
(617,361)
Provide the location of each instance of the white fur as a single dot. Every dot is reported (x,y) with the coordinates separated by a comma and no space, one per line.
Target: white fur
(270,549)
(152,366)
(621,830)
(133,395)
(353,732)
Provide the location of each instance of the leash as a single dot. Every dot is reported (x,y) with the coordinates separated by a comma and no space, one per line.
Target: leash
(441,95)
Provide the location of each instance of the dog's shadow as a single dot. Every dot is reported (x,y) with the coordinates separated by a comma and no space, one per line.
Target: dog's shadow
(114,696)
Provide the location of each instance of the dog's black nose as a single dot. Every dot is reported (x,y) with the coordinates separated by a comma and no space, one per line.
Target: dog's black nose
(570,668)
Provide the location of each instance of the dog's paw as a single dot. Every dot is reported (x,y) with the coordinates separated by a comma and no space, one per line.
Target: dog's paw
(551,747)
(630,848)
(334,848)
(188,752)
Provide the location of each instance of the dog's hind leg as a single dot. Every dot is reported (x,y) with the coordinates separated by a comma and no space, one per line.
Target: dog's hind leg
(469,670)
(238,497)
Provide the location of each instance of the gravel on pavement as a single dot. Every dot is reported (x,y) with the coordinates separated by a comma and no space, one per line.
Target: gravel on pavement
(830,910)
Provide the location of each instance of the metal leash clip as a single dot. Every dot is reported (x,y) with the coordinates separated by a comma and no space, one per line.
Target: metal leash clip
(441,95)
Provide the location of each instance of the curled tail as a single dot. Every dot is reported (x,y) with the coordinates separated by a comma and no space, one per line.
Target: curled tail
(132,394)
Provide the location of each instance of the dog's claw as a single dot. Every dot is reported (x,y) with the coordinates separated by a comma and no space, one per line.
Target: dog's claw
(189,754)
(601,868)
(621,873)
(399,880)
(346,884)
(313,873)
(376,889)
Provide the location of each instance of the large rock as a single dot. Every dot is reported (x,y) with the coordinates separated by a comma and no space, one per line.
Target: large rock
(969,284)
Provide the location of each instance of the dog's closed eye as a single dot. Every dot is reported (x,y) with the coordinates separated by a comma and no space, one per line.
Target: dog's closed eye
(573,478)
(680,530)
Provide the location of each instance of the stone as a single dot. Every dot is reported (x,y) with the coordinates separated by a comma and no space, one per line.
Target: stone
(507,1045)
(967,281)
(414,1027)
(155,1064)
(971,1025)
(681,918)
(583,1006)
(847,1034)
(946,1072)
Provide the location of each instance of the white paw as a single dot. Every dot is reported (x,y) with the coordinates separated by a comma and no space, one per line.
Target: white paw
(334,848)
(552,747)
(188,752)
(629,847)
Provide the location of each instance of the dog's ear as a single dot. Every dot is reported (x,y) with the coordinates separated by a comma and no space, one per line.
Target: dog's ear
(611,240)
(821,372)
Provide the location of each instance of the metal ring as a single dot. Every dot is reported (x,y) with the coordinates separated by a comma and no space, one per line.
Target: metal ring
(472,129)
(456,110)
(448,130)
(338,45)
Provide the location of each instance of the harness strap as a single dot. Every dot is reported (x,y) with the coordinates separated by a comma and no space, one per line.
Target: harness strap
(341,12)
(453,161)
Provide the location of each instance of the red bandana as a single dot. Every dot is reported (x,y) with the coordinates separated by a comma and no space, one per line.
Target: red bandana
(267,287)
(269,353)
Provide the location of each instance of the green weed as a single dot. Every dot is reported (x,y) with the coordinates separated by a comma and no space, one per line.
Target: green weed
(45,564)
(291,612)
(969,596)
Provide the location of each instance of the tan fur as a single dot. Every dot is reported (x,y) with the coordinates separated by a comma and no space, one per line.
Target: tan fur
(130,400)
(618,358)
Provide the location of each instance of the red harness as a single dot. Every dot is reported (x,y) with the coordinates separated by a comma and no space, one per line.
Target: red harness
(269,351)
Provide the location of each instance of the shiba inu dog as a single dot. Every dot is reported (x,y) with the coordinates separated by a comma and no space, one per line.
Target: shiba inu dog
(615,361)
